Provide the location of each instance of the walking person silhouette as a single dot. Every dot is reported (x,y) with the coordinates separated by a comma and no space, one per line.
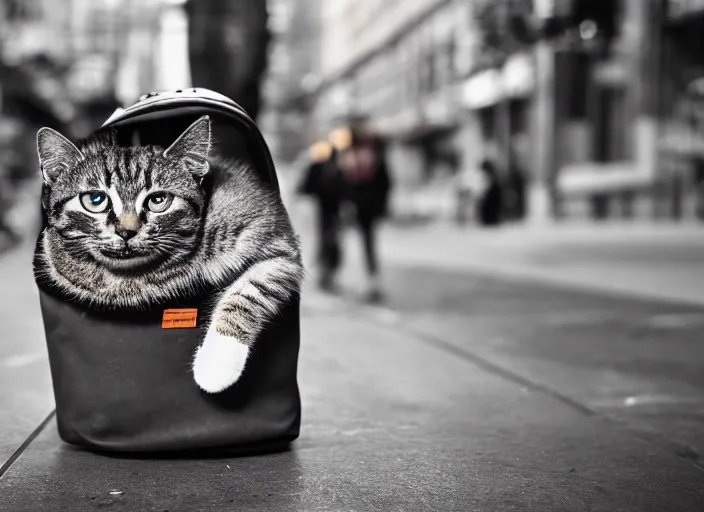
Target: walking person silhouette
(369,184)
(323,181)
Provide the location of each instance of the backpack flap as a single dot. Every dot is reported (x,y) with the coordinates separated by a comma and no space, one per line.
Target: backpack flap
(160,117)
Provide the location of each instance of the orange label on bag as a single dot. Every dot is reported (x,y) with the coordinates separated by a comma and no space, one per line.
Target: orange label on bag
(179,318)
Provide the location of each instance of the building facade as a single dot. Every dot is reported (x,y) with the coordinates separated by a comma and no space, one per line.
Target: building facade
(679,191)
(107,47)
(401,65)
(605,160)
(293,74)
(577,97)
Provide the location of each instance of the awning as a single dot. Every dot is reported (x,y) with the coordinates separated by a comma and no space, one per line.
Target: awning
(400,124)
(515,79)
(678,10)
(483,89)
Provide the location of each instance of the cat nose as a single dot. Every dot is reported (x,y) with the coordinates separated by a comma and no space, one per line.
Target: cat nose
(125,234)
(127,225)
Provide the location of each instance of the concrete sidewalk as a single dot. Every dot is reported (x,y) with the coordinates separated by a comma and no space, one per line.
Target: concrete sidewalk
(391,422)
(393,419)
(658,261)
(26,397)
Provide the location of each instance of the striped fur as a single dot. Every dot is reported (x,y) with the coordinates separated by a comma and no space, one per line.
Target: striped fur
(230,233)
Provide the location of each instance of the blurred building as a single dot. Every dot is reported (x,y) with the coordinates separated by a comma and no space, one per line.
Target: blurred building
(228,46)
(605,128)
(679,190)
(624,77)
(109,51)
(122,49)
(293,75)
(33,46)
(402,64)
(591,101)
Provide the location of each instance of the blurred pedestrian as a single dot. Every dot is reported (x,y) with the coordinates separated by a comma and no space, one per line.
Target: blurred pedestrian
(516,178)
(490,203)
(323,180)
(12,163)
(367,174)
(516,185)
(467,188)
(8,236)
(699,187)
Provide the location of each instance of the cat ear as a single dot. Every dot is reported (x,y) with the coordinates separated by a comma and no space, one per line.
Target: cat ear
(193,146)
(56,154)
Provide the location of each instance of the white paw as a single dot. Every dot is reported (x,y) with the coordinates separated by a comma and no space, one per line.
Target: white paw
(219,362)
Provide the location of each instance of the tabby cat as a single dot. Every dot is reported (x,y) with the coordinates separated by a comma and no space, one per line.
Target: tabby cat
(130,227)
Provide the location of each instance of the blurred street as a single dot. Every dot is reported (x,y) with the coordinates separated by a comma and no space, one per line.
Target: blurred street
(466,390)
(610,317)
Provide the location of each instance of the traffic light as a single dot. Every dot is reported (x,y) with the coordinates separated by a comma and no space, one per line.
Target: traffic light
(600,15)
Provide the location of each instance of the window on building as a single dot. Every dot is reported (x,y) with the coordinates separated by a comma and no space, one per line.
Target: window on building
(487,123)
(413,71)
(611,126)
(427,72)
(519,110)
(578,78)
(22,10)
(451,52)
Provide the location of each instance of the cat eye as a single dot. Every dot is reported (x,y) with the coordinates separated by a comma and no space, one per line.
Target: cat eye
(95,202)
(159,203)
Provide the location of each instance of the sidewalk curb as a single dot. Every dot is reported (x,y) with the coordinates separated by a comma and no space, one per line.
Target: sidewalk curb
(579,257)
(529,275)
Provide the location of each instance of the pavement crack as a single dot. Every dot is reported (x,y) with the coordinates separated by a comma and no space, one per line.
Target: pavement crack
(487,365)
(396,322)
(16,455)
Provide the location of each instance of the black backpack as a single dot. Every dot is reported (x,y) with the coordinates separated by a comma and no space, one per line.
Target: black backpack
(122,382)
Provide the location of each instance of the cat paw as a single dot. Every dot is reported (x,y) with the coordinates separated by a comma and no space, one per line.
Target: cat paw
(219,362)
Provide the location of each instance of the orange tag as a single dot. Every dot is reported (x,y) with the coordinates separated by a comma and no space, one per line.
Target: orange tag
(179,318)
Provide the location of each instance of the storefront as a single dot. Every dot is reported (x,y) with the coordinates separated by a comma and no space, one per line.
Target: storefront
(501,99)
(681,109)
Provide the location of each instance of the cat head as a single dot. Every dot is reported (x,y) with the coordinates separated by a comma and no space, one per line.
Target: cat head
(128,209)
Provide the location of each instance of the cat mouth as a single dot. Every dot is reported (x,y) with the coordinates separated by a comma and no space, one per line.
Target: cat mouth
(125,258)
